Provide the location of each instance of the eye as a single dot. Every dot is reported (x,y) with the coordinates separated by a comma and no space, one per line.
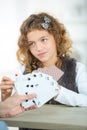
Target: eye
(44,39)
(31,44)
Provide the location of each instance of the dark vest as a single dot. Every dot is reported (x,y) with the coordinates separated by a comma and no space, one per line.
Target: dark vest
(69,77)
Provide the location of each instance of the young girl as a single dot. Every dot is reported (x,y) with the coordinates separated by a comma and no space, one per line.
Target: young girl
(44,42)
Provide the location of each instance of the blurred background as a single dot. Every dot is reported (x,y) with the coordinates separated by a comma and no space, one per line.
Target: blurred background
(73,13)
(13,12)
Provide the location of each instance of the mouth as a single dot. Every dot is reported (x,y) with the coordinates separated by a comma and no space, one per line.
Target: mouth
(42,54)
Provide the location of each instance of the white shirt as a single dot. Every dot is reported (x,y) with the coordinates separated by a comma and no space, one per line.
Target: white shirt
(68,97)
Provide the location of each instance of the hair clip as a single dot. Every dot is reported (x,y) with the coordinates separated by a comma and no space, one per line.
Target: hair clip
(47,20)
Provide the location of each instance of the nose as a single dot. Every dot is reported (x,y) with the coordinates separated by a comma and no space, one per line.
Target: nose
(39,46)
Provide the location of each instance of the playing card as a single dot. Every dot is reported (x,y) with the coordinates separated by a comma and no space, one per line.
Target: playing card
(42,84)
(53,71)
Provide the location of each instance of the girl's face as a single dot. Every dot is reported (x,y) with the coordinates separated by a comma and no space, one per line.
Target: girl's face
(42,46)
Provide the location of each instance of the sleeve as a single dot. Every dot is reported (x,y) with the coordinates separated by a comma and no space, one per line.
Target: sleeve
(68,97)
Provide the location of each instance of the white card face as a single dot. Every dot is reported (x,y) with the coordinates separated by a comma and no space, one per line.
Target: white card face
(41,84)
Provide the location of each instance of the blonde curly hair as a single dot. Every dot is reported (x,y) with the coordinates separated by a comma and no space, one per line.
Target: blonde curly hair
(57,29)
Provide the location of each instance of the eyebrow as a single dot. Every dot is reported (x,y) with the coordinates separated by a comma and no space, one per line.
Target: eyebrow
(38,39)
(44,36)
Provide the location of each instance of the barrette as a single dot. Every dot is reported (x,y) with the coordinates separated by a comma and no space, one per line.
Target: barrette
(46,22)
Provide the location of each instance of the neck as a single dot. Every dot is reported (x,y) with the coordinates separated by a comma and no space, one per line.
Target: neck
(50,63)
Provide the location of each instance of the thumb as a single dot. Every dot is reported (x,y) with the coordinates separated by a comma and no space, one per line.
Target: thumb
(29,96)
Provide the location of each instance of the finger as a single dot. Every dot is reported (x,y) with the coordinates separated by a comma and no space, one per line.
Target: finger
(25,97)
(32,107)
(29,96)
(5,87)
(5,78)
(6,90)
(7,83)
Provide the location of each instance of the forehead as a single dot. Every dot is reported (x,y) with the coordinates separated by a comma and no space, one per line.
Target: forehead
(37,34)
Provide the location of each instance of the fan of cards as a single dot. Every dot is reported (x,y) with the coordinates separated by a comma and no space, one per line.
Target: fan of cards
(38,82)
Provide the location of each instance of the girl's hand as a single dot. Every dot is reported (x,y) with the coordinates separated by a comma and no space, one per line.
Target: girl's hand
(59,86)
(6,86)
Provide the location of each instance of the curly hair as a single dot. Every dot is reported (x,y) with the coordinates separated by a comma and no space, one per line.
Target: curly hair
(57,29)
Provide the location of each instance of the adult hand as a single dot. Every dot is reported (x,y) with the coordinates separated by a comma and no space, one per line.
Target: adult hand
(12,105)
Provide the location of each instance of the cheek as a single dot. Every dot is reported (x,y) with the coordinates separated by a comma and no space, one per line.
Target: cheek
(52,47)
(32,51)
(48,46)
